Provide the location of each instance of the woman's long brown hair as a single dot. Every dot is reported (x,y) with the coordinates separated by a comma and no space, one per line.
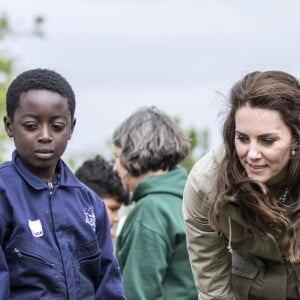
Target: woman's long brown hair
(274,90)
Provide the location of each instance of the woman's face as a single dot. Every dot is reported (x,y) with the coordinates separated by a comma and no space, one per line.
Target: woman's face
(263,143)
(129,182)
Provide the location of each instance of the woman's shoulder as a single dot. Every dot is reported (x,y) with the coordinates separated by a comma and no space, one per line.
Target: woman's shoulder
(199,188)
(204,171)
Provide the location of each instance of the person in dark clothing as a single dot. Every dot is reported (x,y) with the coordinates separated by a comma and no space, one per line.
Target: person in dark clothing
(54,231)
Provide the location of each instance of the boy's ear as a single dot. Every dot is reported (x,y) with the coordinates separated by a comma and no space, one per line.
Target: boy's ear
(72,128)
(8,126)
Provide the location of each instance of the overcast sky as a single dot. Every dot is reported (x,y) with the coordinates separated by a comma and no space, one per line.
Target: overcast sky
(180,55)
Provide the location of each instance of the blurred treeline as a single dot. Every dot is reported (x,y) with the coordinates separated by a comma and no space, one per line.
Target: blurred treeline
(7,63)
(199,138)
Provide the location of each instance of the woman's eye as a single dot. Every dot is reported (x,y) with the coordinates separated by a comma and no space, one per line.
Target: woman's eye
(242,138)
(268,141)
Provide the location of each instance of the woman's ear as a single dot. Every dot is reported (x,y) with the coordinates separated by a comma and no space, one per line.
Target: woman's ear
(8,126)
(295,143)
(294,146)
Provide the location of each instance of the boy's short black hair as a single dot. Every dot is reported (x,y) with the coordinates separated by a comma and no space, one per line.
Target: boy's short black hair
(98,174)
(38,79)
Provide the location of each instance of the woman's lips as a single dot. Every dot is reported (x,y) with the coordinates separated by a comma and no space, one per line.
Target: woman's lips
(256,168)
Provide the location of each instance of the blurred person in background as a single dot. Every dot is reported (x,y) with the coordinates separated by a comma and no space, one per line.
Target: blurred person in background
(151,247)
(98,175)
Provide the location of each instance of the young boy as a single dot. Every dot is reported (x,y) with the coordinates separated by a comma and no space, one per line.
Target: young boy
(98,174)
(54,231)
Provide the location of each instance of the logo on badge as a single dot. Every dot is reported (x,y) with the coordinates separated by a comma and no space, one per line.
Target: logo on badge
(90,217)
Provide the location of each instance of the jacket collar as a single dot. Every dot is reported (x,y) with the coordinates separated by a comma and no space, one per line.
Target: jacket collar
(65,175)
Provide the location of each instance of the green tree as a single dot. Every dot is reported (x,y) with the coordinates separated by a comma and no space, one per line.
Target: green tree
(7,65)
(199,140)
(199,144)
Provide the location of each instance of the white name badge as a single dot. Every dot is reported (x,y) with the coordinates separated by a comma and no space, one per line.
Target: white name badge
(36,228)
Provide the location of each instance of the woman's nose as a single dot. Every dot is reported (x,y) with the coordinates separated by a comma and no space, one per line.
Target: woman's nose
(254,152)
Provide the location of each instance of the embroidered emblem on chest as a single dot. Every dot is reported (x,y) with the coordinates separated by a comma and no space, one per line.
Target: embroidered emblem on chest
(90,217)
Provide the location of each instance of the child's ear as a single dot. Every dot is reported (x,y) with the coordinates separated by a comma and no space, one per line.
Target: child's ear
(8,126)
(72,128)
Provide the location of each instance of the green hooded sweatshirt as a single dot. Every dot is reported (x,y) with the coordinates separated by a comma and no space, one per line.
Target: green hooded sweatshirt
(151,248)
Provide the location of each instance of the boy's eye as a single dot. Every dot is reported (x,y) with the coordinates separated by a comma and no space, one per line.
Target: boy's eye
(30,126)
(58,127)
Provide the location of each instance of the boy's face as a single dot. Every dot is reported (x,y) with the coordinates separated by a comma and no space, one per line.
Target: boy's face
(112,207)
(41,128)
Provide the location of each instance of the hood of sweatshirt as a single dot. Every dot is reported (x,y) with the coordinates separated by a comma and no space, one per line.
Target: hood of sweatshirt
(171,182)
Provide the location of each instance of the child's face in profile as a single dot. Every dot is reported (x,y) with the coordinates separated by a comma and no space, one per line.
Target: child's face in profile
(41,128)
(112,207)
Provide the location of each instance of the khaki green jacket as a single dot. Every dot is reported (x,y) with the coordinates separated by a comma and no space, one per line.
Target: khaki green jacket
(254,270)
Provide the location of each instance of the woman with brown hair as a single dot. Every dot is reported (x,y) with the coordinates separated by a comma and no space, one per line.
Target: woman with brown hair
(242,200)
